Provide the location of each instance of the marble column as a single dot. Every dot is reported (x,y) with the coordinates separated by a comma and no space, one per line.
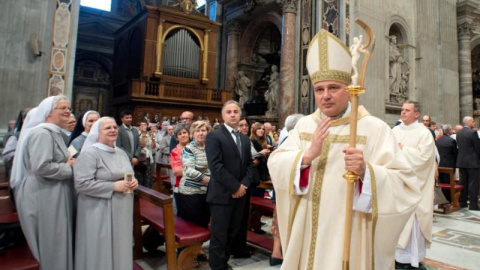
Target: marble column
(465,69)
(234,29)
(287,63)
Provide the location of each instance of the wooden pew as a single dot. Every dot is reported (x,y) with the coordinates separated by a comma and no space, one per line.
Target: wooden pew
(455,191)
(156,209)
(162,183)
(257,207)
(17,257)
(260,205)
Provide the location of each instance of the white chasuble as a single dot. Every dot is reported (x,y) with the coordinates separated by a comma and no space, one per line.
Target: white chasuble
(419,150)
(312,225)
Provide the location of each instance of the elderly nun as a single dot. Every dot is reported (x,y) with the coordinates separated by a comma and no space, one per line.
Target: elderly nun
(42,181)
(105,202)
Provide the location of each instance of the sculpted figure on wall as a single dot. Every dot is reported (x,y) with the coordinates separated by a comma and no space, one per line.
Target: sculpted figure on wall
(271,95)
(242,88)
(399,72)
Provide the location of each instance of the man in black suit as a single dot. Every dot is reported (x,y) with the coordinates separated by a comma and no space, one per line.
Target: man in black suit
(447,149)
(230,162)
(468,161)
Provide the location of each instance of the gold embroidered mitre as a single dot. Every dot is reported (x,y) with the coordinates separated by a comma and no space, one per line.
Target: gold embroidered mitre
(328,59)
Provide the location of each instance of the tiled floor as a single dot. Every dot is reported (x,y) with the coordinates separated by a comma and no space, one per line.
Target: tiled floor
(456,246)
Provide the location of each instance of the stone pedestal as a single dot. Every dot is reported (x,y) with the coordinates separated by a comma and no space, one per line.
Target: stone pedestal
(465,69)
(287,64)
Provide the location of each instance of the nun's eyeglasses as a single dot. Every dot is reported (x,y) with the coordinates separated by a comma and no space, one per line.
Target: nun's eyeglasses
(111,128)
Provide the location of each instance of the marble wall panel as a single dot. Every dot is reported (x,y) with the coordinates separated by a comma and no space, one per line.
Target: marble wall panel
(23,77)
(27,79)
(430,30)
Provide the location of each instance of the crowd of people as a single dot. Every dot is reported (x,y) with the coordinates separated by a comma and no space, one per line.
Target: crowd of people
(77,172)
(72,180)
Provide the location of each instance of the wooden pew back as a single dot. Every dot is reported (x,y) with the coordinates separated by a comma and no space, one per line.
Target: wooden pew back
(166,203)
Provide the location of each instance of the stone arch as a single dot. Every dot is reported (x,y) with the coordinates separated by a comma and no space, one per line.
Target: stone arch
(403,27)
(399,60)
(189,29)
(475,41)
(105,62)
(252,32)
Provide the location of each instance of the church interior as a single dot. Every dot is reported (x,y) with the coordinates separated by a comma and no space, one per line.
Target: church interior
(158,58)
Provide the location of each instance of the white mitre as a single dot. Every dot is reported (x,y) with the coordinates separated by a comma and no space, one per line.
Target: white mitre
(328,59)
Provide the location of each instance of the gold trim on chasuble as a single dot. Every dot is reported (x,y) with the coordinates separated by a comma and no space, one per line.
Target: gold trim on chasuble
(373,185)
(297,198)
(317,188)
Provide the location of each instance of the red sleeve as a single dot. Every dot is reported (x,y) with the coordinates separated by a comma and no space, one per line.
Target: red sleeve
(176,160)
(360,185)
(304,177)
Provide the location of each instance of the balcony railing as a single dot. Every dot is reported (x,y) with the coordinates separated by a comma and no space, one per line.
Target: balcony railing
(175,92)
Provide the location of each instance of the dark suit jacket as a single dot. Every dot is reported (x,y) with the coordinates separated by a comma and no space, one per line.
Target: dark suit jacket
(468,149)
(228,169)
(123,141)
(269,140)
(447,148)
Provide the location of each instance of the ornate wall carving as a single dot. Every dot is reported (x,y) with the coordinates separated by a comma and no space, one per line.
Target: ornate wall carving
(306,24)
(464,30)
(60,48)
(92,85)
(288,6)
(331,16)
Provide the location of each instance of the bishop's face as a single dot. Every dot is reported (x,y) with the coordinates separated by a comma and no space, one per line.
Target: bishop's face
(331,97)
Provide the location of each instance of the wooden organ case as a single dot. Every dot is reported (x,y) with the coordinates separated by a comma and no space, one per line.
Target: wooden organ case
(165,63)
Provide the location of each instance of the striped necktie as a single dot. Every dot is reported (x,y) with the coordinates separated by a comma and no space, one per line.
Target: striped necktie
(238,141)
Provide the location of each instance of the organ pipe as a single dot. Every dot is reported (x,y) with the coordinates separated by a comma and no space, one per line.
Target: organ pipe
(182,56)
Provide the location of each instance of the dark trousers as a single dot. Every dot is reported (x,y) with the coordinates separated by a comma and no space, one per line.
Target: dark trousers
(239,244)
(194,208)
(226,222)
(469,179)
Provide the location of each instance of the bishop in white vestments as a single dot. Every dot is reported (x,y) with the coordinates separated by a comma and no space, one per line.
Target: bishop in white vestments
(307,170)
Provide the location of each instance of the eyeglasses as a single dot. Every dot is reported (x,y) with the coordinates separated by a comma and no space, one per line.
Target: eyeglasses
(64,109)
(110,128)
(185,118)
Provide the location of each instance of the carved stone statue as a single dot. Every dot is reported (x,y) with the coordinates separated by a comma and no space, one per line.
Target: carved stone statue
(242,88)
(399,72)
(271,95)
